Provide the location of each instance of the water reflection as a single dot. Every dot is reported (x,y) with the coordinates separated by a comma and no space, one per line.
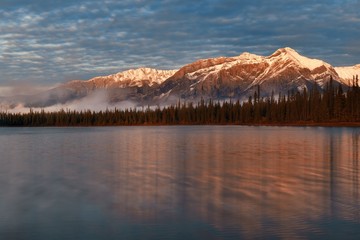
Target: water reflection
(180,182)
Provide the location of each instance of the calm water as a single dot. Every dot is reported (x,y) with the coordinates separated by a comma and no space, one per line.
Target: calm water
(197,182)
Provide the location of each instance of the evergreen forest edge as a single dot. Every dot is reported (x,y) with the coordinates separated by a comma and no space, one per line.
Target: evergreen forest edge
(315,107)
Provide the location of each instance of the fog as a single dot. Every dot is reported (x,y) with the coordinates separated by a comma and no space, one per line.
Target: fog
(96,101)
(23,88)
(58,99)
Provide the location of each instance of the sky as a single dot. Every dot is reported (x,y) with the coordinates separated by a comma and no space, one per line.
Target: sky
(44,42)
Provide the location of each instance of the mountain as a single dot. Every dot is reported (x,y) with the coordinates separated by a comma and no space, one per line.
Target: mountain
(215,78)
(130,78)
(128,85)
(347,74)
(235,77)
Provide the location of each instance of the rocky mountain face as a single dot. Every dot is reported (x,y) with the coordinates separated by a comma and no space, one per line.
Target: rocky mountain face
(222,78)
(216,78)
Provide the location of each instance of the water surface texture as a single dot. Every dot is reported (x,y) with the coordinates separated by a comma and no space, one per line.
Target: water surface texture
(187,182)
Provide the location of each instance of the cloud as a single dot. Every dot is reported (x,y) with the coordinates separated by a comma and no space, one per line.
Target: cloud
(45,42)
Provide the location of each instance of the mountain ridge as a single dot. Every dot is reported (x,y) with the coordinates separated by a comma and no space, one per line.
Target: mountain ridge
(234,77)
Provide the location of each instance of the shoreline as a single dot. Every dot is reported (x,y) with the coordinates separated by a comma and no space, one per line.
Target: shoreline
(311,124)
(295,124)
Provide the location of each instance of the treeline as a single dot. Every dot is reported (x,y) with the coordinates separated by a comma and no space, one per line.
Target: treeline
(329,106)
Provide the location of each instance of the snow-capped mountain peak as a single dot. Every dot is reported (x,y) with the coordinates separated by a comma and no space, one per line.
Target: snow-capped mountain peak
(251,67)
(246,57)
(141,74)
(290,54)
(348,73)
(136,77)
(223,77)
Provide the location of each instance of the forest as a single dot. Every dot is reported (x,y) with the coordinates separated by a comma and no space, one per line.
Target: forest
(331,106)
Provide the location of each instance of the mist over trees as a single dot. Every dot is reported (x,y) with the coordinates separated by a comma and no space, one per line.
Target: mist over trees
(330,106)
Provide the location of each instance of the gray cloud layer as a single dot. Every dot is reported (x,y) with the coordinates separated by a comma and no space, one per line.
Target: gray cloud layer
(53,41)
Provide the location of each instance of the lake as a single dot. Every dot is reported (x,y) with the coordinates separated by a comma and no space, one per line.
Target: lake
(180,182)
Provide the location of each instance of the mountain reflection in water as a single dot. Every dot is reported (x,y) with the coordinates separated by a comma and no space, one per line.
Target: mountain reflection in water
(187,182)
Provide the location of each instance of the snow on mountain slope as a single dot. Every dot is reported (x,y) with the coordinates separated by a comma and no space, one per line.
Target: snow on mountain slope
(133,78)
(226,63)
(290,54)
(348,73)
(287,61)
(137,77)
